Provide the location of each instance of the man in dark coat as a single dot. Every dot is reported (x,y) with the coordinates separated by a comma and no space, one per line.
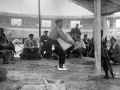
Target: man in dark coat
(75,32)
(43,39)
(114,51)
(86,41)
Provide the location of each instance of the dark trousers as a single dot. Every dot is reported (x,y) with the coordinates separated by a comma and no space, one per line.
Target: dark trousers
(8,49)
(87,51)
(30,53)
(79,52)
(58,50)
(114,59)
(68,52)
(44,48)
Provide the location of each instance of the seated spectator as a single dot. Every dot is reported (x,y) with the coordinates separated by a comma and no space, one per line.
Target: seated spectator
(86,41)
(80,48)
(91,48)
(5,46)
(43,39)
(114,51)
(31,49)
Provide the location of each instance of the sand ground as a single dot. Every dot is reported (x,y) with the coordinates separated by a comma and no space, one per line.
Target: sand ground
(80,75)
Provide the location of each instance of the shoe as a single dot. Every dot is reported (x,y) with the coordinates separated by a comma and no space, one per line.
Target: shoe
(114,63)
(62,69)
(111,62)
(117,63)
(36,58)
(81,57)
(5,62)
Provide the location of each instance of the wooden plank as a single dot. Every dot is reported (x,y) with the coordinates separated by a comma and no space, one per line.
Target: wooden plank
(97,35)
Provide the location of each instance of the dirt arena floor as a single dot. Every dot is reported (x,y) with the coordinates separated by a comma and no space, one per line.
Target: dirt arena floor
(80,75)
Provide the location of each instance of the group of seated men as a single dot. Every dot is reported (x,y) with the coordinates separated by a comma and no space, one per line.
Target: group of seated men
(81,49)
(30,46)
(32,51)
(83,44)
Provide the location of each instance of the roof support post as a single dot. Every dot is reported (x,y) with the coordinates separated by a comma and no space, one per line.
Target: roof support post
(39,15)
(104,26)
(97,35)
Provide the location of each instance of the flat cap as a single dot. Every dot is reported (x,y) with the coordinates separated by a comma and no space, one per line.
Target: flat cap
(31,35)
(85,35)
(58,20)
(113,38)
(45,31)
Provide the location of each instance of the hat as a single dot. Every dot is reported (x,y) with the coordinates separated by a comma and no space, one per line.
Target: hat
(58,20)
(1,29)
(77,24)
(114,38)
(46,31)
(85,35)
(31,35)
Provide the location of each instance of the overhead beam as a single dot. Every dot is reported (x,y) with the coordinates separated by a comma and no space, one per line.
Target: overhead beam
(97,35)
(115,1)
(112,12)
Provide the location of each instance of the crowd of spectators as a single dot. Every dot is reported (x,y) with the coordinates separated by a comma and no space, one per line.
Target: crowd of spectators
(80,47)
